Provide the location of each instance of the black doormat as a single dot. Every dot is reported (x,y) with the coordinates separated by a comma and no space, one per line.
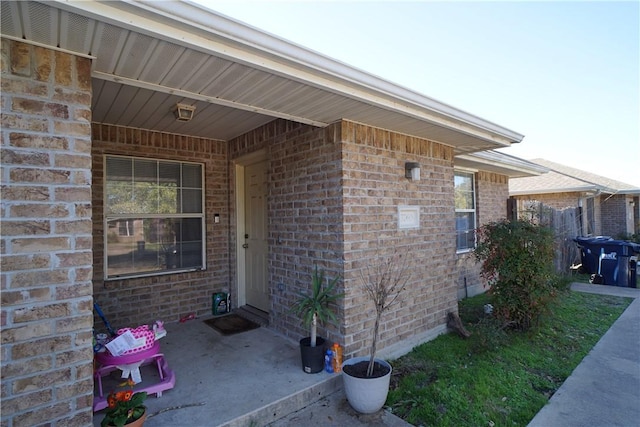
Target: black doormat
(231,324)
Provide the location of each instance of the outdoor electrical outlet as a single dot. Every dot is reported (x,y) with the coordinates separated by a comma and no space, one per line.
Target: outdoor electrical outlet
(281,287)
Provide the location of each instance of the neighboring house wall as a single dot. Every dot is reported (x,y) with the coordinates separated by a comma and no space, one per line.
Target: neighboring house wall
(606,214)
(630,202)
(136,301)
(47,354)
(615,210)
(595,228)
(636,215)
(492,192)
(590,207)
(555,200)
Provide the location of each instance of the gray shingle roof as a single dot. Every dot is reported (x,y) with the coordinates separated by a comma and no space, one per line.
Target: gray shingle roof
(563,179)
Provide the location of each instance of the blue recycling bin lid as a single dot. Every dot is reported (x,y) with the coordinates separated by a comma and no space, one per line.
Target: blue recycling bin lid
(592,239)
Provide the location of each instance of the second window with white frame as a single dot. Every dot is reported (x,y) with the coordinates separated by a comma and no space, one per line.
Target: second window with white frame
(465,205)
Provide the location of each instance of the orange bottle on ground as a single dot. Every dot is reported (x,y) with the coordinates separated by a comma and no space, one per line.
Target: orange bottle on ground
(337,357)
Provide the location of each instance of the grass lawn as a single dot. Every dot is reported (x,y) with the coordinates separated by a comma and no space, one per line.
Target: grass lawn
(498,378)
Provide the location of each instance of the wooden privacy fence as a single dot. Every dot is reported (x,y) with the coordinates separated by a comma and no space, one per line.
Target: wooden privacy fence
(566,227)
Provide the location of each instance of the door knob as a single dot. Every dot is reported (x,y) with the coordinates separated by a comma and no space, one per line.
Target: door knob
(246,245)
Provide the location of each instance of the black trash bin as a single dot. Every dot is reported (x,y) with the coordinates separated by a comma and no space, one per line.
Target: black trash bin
(614,260)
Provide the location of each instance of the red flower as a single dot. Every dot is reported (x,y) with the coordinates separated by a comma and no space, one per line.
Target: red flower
(124,396)
(112,401)
(124,406)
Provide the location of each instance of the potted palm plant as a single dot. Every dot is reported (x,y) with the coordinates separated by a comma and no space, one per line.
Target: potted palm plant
(315,307)
(366,379)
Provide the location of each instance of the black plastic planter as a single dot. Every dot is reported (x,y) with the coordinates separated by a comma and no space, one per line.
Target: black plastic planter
(312,357)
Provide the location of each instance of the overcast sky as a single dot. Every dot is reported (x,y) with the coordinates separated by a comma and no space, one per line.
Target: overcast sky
(564,74)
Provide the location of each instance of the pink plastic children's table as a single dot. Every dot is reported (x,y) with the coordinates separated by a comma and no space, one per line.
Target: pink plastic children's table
(106,364)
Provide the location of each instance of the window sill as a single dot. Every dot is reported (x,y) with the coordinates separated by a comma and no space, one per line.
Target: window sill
(463,251)
(160,273)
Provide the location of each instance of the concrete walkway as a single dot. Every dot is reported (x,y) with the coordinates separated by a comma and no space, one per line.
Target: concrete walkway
(604,389)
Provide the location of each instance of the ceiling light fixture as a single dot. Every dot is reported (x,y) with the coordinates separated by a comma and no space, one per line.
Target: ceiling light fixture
(184,112)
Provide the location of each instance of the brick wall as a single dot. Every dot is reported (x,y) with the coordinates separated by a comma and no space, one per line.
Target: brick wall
(615,220)
(374,184)
(491,197)
(132,302)
(304,210)
(333,198)
(46,238)
(492,192)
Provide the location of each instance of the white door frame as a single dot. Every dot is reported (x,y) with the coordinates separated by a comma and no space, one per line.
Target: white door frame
(240,164)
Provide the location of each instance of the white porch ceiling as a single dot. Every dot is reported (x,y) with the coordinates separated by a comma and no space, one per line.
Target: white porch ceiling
(148,56)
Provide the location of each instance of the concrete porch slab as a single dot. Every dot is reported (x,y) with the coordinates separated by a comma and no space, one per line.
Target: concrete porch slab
(251,378)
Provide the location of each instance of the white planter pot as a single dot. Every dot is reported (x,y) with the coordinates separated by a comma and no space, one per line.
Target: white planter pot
(366,395)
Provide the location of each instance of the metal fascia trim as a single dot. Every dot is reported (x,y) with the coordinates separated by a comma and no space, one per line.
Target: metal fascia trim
(54,48)
(553,190)
(503,161)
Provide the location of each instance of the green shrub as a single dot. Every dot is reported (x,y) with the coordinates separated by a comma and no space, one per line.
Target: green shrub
(517,259)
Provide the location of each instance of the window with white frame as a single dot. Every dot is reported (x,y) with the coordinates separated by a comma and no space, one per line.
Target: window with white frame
(153,217)
(465,202)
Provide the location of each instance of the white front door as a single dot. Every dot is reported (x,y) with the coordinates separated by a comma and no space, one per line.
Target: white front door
(255,236)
